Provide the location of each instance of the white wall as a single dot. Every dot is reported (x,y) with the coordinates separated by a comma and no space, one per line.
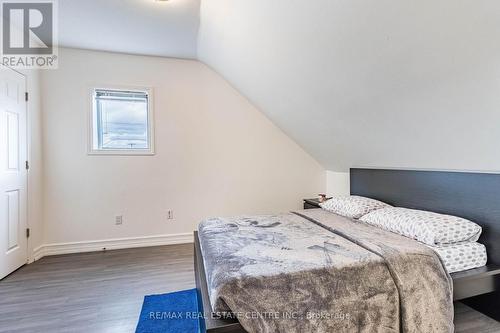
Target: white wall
(337,183)
(216,153)
(388,83)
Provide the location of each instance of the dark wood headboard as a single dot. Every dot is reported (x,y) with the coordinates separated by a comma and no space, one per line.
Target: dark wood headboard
(474,196)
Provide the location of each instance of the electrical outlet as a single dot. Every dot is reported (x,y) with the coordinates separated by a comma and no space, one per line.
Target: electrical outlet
(118,220)
(170,214)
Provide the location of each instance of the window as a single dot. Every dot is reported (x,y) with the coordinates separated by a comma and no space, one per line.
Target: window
(121,122)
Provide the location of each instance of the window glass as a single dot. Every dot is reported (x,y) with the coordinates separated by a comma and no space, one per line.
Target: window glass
(121,120)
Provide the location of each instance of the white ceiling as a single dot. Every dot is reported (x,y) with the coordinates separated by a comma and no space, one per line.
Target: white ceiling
(387,83)
(149,27)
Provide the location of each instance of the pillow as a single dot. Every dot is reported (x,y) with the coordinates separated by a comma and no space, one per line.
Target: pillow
(352,206)
(426,227)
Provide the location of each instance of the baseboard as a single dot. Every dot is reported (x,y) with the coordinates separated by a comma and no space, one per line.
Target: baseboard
(110,244)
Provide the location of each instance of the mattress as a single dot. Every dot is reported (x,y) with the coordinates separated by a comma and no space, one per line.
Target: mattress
(461,256)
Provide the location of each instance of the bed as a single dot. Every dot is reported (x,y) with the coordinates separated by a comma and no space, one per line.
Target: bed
(471,195)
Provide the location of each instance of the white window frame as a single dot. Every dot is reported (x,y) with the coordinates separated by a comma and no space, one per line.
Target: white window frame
(92,122)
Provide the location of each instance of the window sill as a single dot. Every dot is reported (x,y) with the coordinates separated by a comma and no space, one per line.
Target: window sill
(122,152)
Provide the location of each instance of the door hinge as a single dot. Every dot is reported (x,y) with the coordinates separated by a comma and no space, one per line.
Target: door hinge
(27,165)
(26,96)
(27,232)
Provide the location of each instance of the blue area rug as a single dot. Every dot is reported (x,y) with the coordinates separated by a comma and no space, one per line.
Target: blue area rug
(170,313)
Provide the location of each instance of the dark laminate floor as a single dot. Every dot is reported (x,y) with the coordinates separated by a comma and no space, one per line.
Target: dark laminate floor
(103,292)
(93,292)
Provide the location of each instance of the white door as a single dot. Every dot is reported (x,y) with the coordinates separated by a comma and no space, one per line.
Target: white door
(13,173)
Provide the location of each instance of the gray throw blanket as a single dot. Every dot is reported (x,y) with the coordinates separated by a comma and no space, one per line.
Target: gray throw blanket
(314,271)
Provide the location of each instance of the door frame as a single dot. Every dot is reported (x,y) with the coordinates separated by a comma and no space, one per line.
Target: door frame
(28,158)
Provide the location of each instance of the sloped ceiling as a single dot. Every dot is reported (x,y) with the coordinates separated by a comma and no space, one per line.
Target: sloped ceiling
(150,27)
(388,83)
